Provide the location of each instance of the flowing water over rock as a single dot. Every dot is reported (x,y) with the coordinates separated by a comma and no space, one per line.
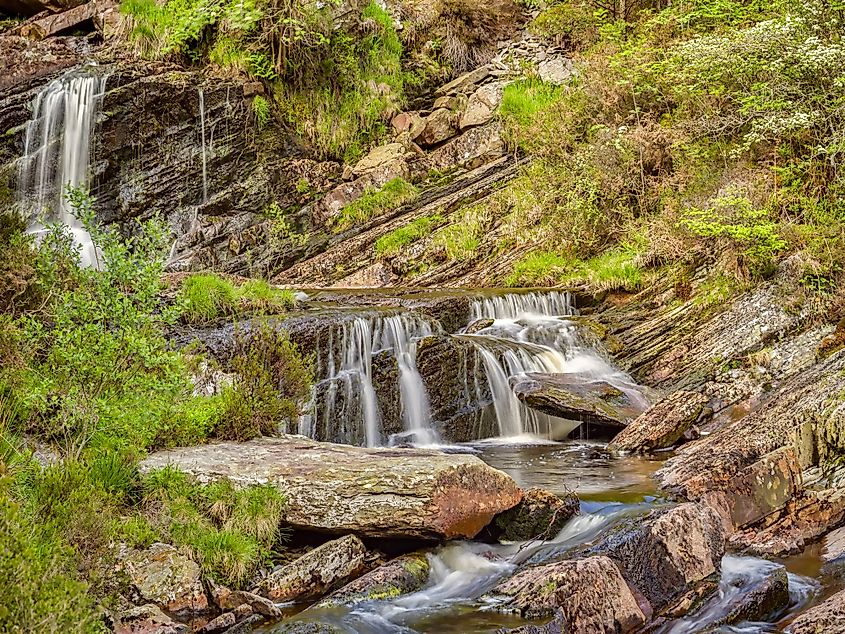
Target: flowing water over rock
(57,152)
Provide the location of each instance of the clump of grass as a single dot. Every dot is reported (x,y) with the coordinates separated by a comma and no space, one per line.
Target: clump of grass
(540,268)
(392,243)
(375,202)
(206,297)
(460,240)
(612,270)
(523,100)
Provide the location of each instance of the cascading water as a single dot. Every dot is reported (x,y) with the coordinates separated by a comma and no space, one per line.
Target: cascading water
(347,394)
(57,152)
(530,334)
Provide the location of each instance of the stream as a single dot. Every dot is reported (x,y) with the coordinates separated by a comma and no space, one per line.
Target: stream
(520,334)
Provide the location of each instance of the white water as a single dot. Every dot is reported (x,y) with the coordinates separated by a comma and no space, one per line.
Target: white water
(514,305)
(530,334)
(350,395)
(57,153)
(739,575)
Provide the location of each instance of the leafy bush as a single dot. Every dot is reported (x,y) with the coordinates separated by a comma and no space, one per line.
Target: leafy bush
(375,202)
(392,243)
(272,383)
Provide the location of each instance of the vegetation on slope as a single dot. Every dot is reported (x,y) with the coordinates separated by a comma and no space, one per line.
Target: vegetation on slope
(88,385)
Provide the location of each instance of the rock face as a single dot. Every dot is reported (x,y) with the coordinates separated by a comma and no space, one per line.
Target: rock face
(374,492)
(562,395)
(665,556)
(316,572)
(398,576)
(590,594)
(164,576)
(826,618)
(541,514)
(662,425)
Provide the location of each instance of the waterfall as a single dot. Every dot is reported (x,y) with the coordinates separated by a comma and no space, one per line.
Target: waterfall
(347,402)
(513,305)
(530,334)
(57,152)
(204,151)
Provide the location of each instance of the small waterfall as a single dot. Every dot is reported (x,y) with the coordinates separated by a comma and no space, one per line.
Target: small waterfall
(530,334)
(514,305)
(57,152)
(204,150)
(347,401)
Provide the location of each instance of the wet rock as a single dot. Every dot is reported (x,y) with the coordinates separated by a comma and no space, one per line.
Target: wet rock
(439,126)
(146,619)
(765,600)
(826,618)
(316,572)
(218,624)
(556,626)
(479,324)
(482,104)
(662,425)
(540,515)
(576,398)
(591,595)
(165,576)
(246,626)
(397,577)
(669,553)
(382,492)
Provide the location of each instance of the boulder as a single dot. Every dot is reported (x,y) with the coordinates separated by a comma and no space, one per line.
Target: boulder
(590,594)
(475,147)
(316,572)
(439,126)
(247,626)
(465,81)
(826,618)
(232,599)
(380,492)
(575,398)
(379,156)
(556,626)
(662,425)
(668,554)
(479,324)
(556,70)
(166,577)
(410,122)
(398,576)
(540,514)
(763,601)
(146,619)
(219,624)
(482,105)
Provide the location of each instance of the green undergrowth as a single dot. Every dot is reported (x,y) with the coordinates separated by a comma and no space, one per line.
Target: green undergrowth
(90,379)
(375,202)
(703,133)
(205,297)
(391,244)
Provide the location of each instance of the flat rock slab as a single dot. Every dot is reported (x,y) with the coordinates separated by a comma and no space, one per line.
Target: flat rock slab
(417,493)
(662,425)
(826,618)
(572,397)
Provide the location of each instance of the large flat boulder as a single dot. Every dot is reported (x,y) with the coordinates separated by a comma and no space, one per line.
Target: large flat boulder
(415,493)
(576,398)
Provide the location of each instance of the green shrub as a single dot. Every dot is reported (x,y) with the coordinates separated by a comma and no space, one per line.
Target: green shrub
(573,26)
(375,202)
(392,243)
(272,383)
